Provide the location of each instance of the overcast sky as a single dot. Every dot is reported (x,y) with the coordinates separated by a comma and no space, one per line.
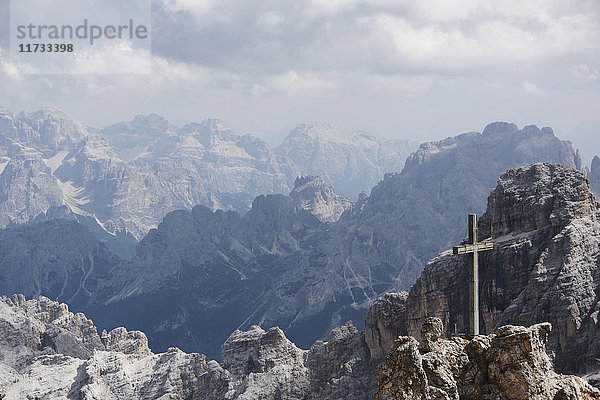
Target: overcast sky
(419,70)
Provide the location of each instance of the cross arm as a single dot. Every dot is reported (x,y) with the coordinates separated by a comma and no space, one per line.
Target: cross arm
(471,248)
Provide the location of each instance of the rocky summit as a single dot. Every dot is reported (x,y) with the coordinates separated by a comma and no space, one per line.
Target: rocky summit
(545,225)
(510,364)
(46,351)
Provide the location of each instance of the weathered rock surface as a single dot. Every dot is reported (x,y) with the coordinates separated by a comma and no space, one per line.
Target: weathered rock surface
(312,194)
(511,364)
(48,352)
(384,322)
(545,224)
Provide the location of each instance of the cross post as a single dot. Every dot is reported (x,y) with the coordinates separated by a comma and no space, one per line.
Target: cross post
(471,249)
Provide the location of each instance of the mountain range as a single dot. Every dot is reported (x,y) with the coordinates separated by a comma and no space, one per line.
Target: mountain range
(306,262)
(545,225)
(120,181)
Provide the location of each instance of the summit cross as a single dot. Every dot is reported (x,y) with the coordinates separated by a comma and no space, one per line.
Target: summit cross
(471,249)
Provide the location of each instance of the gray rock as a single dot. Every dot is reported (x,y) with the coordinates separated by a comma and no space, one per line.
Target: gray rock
(384,322)
(256,364)
(546,228)
(313,195)
(341,367)
(512,364)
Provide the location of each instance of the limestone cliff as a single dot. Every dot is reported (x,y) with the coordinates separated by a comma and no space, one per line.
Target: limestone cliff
(511,364)
(545,224)
(46,351)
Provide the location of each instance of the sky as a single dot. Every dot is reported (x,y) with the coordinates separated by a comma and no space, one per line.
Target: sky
(419,70)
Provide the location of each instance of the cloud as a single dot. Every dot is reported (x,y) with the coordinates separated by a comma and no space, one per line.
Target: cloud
(425,37)
(587,73)
(266,65)
(530,88)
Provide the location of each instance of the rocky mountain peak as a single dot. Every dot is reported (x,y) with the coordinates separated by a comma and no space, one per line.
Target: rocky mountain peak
(150,119)
(497,128)
(535,197)
(596,165)
(305,179)
(511,364)
(545,226)
(350,163)
(312,194)
(315,130)
(208,127)
(48,130)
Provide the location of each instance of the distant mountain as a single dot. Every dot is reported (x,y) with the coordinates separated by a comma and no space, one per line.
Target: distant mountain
(52,164)
(206,163)
(120,181)
(129,139)
(350,163)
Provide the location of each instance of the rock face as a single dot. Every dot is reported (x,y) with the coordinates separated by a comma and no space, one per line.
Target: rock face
(60,259)
(384,322)
(511,364)
(130,139)
(312,194)
(545,224)
(48,352)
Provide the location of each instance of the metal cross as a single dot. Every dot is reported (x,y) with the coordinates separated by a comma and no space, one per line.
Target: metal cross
(471,249)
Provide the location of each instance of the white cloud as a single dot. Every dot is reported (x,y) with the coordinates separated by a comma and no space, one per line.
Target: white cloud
(530,88)
(587,73)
